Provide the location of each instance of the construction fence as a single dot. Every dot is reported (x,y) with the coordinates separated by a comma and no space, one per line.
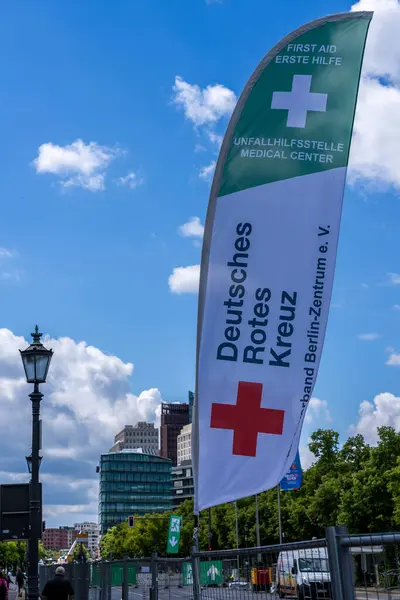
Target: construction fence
(337,567)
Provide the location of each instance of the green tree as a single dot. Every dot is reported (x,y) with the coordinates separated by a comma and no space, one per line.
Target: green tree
(357,485)
(78,551)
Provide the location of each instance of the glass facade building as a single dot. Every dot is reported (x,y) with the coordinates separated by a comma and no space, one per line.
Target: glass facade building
(132,483)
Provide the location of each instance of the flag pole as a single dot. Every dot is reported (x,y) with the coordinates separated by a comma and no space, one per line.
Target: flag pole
(237,532)
(258,541)
(209,535)
(279,514)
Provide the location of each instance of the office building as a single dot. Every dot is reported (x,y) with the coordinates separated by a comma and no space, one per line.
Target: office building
(184,444)
(132,482)
(70,538)
(55,538)
(182,481)
(191,402)
(182,474)
(142,435)
(92,530)
(173,418)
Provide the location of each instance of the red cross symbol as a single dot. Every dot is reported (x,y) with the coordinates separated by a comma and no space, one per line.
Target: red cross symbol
(247,418)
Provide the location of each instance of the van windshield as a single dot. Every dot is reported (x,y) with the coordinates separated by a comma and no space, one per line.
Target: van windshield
(313,565)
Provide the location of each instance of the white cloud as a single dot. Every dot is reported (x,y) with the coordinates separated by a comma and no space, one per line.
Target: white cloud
(131,180)
(6,253)
(307,458)
(185,280)
(77,164)
(193,228)
(207,172)
(87,400)
(382,53)
(10,274)
(317,410)
(394,278)
(368,337)
(384,410)
(215,138)
(13,275)
(376,145)
(393,360)
(396,307)
(203,106)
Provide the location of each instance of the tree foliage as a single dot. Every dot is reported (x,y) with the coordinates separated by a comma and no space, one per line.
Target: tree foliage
(355,485)
(79,551)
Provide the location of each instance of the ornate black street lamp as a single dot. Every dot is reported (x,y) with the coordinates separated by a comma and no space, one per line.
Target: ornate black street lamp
(29,462)
(36,360)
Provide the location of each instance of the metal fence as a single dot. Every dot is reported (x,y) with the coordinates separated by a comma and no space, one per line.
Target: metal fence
(369,565)
(338,567)
(288,570)
(77,573)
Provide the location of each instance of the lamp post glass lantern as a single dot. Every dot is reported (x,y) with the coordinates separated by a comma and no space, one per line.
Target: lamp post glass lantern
(29,462)
(36,360)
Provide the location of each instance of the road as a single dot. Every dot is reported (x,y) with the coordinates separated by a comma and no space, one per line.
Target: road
(186,593)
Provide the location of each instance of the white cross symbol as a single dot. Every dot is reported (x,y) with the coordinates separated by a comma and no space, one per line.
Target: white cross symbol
(299,101)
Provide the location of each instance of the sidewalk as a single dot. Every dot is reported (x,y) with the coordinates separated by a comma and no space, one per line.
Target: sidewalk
(13,593)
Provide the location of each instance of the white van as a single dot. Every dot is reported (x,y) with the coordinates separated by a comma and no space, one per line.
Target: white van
(304,573)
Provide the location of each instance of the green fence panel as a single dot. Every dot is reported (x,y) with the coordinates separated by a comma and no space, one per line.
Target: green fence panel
(117,574)
(132,574)
(95,575)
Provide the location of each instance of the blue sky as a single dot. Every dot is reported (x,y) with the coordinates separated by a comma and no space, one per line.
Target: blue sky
(112,117)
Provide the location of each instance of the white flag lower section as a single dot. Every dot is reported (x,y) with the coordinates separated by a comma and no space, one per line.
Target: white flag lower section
(269,283)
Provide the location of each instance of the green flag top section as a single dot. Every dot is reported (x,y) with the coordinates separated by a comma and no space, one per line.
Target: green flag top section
(295,116)
(174,534)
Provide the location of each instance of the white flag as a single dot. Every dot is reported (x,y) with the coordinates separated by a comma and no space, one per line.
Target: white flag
(269,255)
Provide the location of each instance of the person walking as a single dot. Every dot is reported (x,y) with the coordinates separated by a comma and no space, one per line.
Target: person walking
(20,580)
(58,588)
(3,586)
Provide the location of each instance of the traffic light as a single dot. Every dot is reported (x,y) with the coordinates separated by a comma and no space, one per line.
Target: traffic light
(131,521)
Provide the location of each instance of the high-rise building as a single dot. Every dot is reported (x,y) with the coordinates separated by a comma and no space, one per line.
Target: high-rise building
(70,539)
(184,444)
(92,529)
(182,475)
(55,538)
(182,481)
(142,435)
(132,482)
(173,418)
(191,402)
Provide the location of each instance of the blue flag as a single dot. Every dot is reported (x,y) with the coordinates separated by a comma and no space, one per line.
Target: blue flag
(294,477)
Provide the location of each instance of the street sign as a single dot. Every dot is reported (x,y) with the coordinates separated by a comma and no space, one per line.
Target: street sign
(211,572)
(174,534)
